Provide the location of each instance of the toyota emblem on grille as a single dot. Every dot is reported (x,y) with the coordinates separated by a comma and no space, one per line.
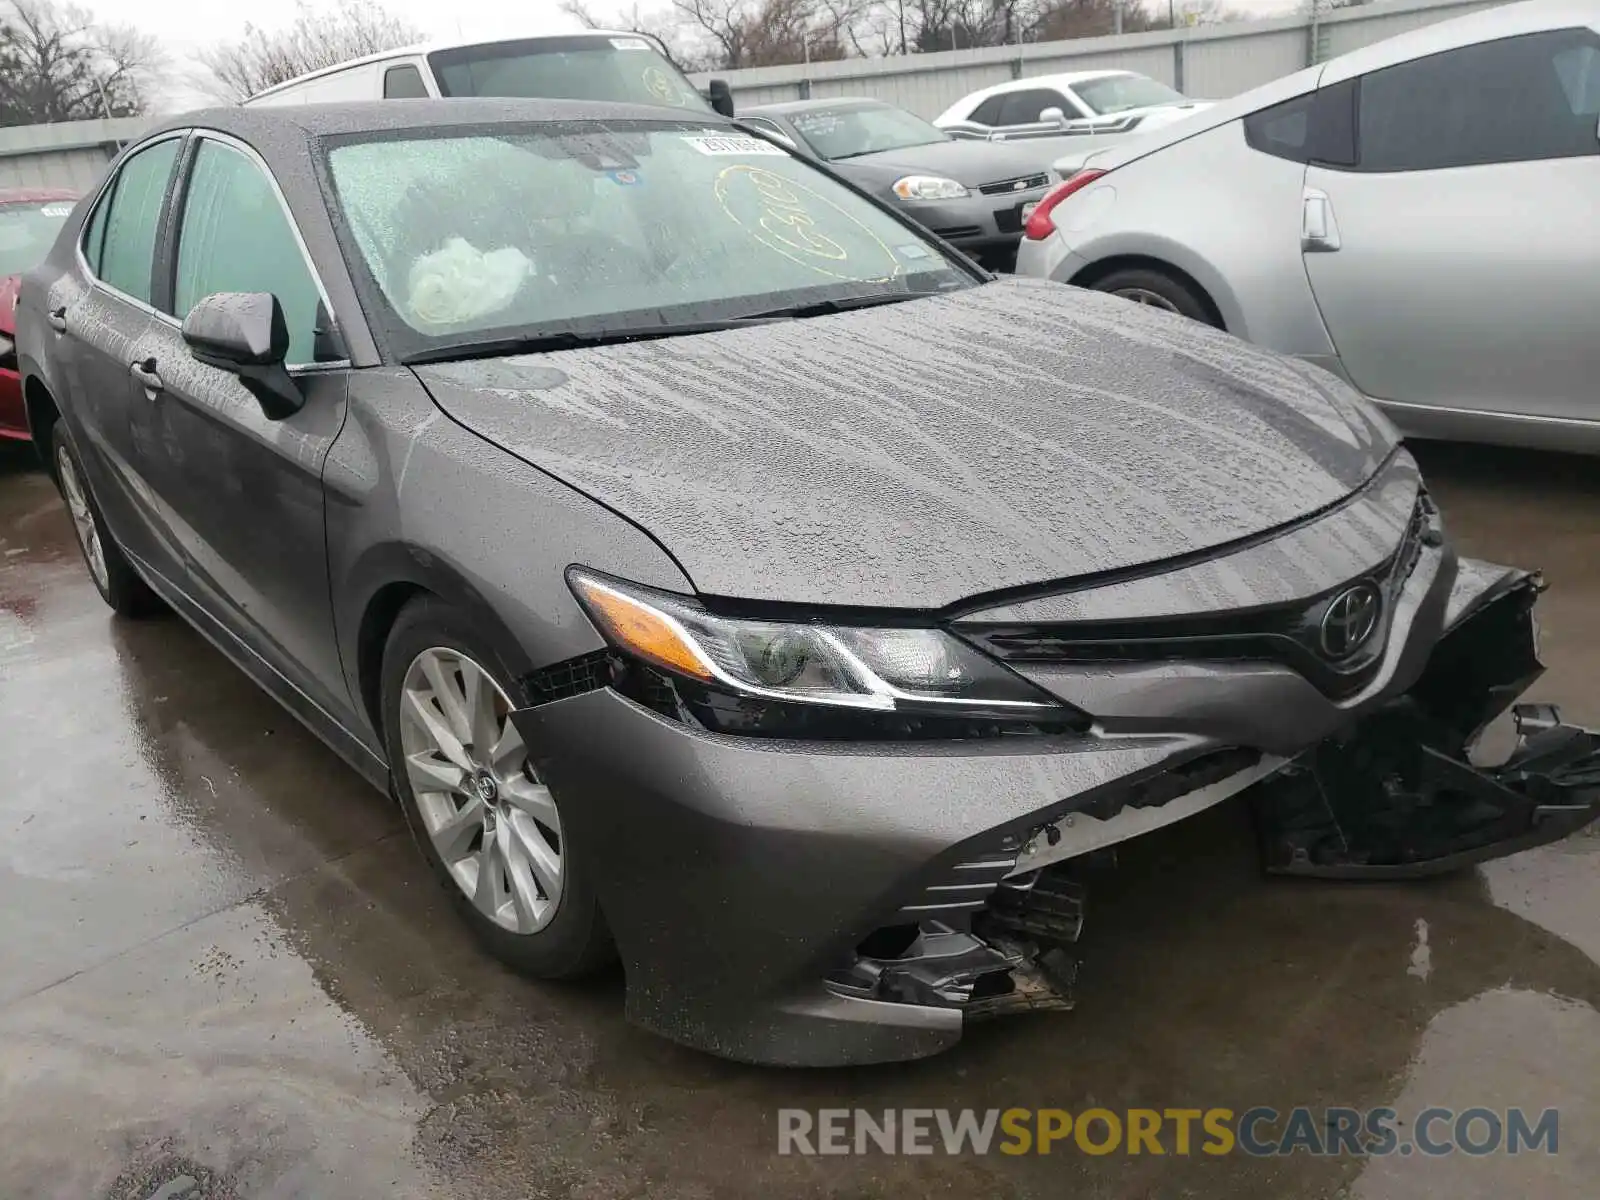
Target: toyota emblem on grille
(1351,620)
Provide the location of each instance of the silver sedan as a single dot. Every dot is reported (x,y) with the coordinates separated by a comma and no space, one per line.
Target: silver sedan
(1417,216)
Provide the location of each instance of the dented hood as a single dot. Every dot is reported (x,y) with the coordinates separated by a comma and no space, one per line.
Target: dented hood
(916,454)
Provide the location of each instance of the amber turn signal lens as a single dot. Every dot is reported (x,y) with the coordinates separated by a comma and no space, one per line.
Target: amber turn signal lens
(640,629)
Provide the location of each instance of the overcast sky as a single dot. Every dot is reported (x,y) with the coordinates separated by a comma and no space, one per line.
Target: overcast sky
(185,27)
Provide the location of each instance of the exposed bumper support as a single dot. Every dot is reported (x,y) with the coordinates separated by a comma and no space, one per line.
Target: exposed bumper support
(1395,797)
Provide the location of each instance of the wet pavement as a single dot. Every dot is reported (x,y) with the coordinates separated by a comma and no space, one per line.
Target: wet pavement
(224,971)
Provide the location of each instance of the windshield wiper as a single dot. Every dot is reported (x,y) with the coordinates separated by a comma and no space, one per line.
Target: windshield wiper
(574,339)
(822,308)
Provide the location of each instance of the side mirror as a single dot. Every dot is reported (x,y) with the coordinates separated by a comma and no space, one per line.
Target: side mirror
(1054,116)
(721,96)
(244,333)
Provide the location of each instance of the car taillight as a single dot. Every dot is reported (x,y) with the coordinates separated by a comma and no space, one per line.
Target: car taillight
(1039,225)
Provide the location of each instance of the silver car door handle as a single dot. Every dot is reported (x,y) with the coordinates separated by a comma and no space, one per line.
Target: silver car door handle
(1319,232)
(57,318)
(144,370)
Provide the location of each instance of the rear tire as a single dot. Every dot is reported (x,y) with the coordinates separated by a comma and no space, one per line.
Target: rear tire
(1157,289)
(490,830)
(114,578)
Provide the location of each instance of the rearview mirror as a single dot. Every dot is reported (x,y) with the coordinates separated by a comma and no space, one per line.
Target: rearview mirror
(1053,116)
(721,96)
(245,334)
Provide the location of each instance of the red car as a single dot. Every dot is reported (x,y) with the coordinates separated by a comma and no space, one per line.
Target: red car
(29,221)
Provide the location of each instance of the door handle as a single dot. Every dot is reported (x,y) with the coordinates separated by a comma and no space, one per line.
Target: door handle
(1319,232)
(144,370)
(57,318)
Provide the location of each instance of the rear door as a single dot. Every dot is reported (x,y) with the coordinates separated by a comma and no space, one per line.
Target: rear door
(241,494)
(102,327)
(1456,261)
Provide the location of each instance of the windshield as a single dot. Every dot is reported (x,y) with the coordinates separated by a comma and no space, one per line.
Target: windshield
(522,229)
(1119,93)
(848,132)
(625,69)
(27,232)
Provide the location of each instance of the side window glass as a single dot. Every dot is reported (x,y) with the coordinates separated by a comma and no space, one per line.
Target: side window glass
(1283,130)
(1519,99)
(1318,127)
(94,233)
(988,113)
(236,237)
(1578,68)
(128,248)
(1023,108)
(404,83)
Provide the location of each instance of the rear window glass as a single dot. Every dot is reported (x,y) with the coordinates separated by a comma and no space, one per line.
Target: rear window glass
(626,69)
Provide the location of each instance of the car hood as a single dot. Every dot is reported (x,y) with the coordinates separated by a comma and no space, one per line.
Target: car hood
(917,454)
(968,162)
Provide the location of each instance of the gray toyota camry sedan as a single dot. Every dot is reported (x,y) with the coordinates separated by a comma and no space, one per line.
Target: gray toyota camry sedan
(727,577)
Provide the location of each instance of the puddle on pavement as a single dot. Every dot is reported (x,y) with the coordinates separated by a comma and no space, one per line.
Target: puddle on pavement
(259,987)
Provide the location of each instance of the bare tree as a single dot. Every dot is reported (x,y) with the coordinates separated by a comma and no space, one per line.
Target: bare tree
(319,37)
(728,34)
(57,63)
(712,35)
(686,53)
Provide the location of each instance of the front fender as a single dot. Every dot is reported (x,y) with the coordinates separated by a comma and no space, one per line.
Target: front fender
(415,500)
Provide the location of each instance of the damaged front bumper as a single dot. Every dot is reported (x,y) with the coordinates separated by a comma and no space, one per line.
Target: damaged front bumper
(811,904)
(1395,796)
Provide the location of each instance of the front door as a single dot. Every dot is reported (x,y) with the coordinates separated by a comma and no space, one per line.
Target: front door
(241,494)
(1457,264)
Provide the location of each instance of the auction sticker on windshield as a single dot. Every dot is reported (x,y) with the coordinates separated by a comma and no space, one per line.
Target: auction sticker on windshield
(803,226)
(722,144)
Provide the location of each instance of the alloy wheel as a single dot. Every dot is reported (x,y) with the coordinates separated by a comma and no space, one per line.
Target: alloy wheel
(83,521)
(1145,296)
(493,823)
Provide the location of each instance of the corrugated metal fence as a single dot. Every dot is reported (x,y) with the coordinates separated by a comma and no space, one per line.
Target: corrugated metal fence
(71,154)
(1208,61)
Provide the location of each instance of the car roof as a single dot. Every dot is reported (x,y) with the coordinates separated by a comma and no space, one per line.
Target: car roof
(1060,80)
(785,107)
(1530,16)
(37,195)
(299,121)
(420,48)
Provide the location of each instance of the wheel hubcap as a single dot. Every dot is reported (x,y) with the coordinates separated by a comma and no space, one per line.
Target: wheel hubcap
(1147,297)
(82,518)
(482,805)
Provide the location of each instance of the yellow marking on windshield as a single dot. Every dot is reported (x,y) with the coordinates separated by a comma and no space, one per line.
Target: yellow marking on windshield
(660,85)
(783,215)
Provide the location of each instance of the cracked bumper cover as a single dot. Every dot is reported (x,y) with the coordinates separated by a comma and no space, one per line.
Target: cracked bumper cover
(750,884)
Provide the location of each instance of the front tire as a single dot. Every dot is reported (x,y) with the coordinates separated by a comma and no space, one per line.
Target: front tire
(1157,289)
(118,583)
(490,829)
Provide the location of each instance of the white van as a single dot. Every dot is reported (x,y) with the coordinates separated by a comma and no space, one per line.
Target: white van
(593,65)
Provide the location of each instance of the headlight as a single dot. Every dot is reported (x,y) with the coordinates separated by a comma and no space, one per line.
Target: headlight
(811,679)
(6,345)
(928,187)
